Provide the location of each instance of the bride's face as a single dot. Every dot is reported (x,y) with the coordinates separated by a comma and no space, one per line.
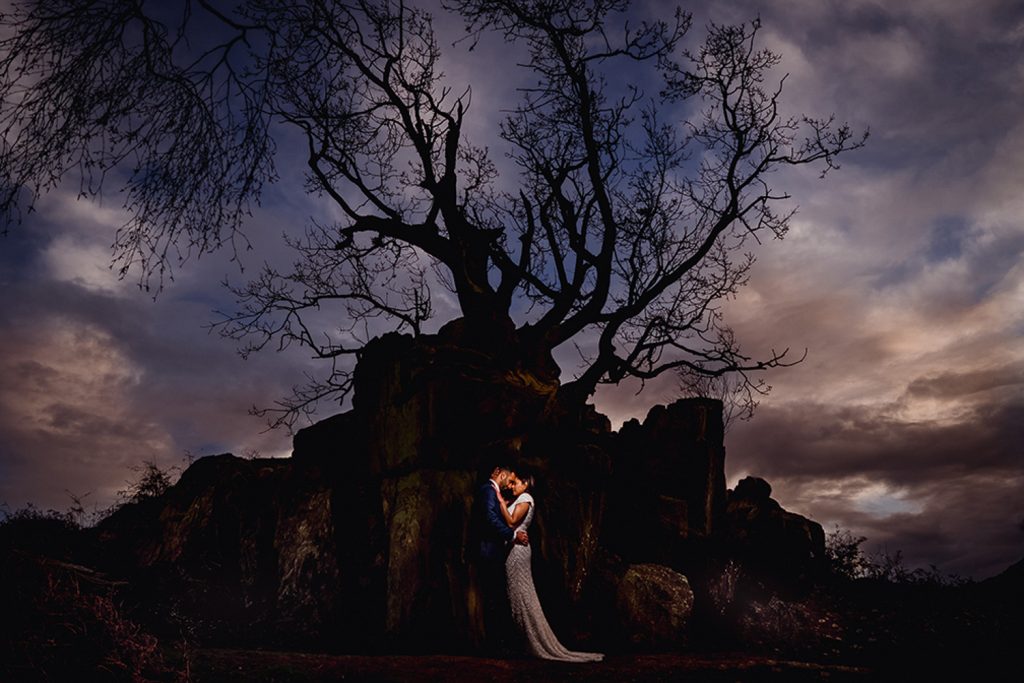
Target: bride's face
(518,487)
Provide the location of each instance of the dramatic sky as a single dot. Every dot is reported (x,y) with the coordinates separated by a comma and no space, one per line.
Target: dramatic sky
(902,276)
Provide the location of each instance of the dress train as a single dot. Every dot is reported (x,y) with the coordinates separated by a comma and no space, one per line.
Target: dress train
(526,609)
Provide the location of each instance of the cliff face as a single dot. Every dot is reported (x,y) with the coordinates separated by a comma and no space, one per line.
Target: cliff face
(669,482)
(360,540)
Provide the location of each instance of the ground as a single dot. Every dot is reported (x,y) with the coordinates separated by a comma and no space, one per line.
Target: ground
(211,665)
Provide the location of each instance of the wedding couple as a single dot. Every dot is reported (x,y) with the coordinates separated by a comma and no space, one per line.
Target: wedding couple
(504,568)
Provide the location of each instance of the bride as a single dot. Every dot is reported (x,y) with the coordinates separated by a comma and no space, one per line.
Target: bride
(522,596)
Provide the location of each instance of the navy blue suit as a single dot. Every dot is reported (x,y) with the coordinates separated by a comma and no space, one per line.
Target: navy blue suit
(495,535)
(493,539)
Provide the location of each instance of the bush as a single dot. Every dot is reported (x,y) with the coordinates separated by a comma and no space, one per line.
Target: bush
(844,555)
(847,560)
(151,481)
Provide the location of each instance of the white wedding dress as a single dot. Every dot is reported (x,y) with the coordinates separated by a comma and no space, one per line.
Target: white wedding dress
(526,610)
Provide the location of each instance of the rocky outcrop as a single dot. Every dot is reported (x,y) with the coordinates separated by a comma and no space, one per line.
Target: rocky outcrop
(241,549)
(435,402)
(778,548)
(360,540)
(428,598)
(669,493)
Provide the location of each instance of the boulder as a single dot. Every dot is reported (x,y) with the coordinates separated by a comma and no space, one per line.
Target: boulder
(654,604)
(753,489)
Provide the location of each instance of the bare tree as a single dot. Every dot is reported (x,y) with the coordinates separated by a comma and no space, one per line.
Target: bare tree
(628,226)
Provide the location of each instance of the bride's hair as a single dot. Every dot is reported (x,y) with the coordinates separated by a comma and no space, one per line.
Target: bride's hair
(526,479)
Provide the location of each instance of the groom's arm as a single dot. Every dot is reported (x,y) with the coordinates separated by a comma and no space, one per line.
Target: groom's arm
(494,518)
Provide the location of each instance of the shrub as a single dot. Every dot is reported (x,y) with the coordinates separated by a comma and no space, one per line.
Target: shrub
(61,620)
(847,560)
(844,554)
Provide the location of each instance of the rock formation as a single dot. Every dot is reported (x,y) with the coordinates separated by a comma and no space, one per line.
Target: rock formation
(359,540)
(783,549)
(669,488)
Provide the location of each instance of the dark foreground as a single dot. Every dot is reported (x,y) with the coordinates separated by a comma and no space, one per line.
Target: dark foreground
(208,666)
(68,622)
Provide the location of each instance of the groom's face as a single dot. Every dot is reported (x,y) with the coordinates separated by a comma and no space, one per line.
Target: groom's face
(505,479)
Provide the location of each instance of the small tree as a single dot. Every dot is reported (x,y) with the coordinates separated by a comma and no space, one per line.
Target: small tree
(628,226)
(150,481)
(844,554)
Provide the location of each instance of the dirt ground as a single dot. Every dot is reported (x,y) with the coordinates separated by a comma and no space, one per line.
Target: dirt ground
(210,665)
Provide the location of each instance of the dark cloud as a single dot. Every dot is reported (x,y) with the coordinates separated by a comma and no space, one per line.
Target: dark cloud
(949,385)
(929,490)
(815,440)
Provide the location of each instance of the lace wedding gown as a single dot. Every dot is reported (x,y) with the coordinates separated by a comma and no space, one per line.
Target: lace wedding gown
(526,610)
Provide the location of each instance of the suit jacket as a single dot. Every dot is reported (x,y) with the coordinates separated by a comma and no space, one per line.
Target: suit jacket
(493,535)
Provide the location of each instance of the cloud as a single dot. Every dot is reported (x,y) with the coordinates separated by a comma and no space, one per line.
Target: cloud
(957,385)
(899,482)
(67,412)
(70,259)
(902,277)
(95,383)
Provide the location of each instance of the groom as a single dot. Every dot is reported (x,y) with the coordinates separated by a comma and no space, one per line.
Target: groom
(494,539)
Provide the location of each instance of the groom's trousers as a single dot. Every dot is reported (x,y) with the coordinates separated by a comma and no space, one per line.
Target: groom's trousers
(497,614)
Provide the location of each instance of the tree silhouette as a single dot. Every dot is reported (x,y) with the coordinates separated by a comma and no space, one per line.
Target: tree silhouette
(628,224)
